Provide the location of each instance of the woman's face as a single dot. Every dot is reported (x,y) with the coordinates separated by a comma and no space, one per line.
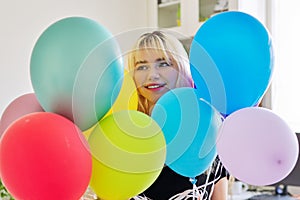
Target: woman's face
(153,74)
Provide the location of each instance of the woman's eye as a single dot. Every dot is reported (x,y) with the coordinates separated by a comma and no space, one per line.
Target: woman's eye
(142,67)
(164,64)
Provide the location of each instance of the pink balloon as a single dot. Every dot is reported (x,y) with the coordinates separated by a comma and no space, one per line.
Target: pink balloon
(257,147)
(44,156)
(22,105)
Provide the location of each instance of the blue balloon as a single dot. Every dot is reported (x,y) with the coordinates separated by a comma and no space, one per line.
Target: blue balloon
(231,59)
(190,127)
(77,70)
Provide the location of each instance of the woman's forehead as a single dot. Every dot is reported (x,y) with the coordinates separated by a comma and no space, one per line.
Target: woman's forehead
(151,54)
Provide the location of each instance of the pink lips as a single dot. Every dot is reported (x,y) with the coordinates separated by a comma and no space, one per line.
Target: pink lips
(155,86)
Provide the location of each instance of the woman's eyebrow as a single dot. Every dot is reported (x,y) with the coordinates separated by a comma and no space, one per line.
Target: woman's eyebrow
(160,59)
(145,61)
(140,62)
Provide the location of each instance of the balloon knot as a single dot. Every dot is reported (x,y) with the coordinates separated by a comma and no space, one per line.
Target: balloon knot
(193,180)
(279,161)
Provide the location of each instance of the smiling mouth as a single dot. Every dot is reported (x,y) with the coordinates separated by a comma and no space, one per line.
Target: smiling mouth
(154,86)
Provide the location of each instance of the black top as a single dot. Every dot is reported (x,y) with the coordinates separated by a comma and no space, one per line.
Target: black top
(169,183)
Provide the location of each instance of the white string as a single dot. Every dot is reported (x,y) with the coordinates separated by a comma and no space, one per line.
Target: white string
(207,178)
(89,195)
(195,189)
(199,192)
(140,198)
(215,178)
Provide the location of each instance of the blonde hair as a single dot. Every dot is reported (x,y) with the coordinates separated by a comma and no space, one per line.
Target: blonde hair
(172,49)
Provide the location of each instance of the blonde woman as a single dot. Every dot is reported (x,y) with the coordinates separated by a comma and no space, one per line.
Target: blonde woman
(158,63)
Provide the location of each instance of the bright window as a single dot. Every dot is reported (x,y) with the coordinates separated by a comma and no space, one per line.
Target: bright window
(286,83)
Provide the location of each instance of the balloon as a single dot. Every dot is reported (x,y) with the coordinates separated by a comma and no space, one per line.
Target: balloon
(128,150)
(24,104)
(256,146)
(190,127)
(89,131)
(126,100)
(127,97)
(44,156)
(75,66)
(231,59)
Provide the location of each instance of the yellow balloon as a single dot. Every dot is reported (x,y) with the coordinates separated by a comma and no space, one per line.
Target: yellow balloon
(88,132)
(129,152)
(127,98)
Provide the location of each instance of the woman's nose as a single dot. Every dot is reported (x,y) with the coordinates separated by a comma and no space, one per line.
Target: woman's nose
(153,73)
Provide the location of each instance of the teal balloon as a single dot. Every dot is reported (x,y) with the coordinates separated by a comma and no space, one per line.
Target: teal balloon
(232,61)
(190,126)
(76,70)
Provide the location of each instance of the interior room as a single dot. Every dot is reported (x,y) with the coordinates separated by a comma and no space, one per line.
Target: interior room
(22,22)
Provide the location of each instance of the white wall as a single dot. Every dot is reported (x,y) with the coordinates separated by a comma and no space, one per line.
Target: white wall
(256,8)
(22,22)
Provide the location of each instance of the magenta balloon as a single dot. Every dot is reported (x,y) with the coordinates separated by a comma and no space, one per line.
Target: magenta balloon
(24,104)
(257,147)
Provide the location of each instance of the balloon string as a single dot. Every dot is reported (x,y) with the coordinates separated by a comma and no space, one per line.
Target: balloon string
(201,192)
(197,192)
(194,191)
(215,178)
(207,177)
(89,195)
(140,198)
(193,180)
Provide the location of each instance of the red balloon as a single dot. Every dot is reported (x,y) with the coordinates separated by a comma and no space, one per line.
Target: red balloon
(19,107)
(45,156)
